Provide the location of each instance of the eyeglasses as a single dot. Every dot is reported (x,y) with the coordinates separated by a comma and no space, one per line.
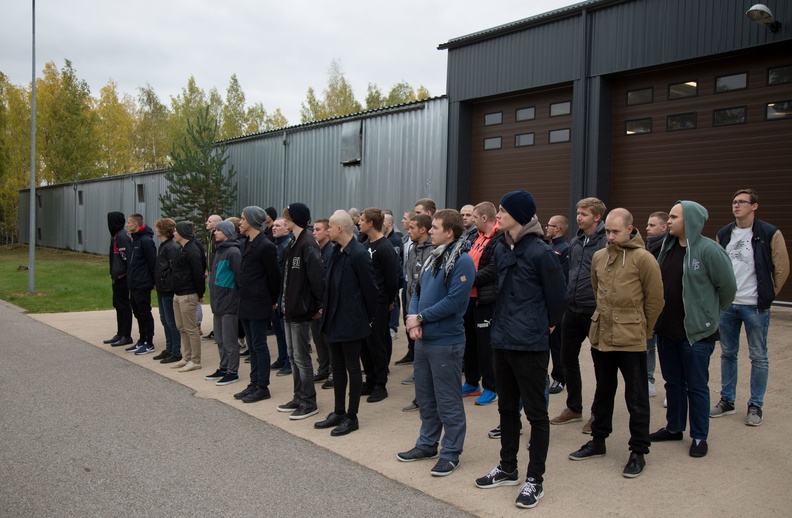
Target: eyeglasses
(741,202)
(548,226)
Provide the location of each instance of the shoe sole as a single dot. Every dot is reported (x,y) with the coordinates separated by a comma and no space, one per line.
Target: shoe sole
(727,412)
(437,454)
(506,482)
(587,457)
(573,420)
(632,475)
(524,506)
(226,383)
(487,403)
(141,353)
(284,409)
(303,416)
(748,423)
(443,473)
(472,394)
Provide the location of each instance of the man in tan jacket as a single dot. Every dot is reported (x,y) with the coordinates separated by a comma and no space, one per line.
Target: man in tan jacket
(629,292)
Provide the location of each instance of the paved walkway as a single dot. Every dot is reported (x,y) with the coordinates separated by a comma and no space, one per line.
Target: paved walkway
(205,442)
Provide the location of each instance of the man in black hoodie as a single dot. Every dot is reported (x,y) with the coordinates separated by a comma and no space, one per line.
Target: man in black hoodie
(120,248)
(656,232)
(140,276)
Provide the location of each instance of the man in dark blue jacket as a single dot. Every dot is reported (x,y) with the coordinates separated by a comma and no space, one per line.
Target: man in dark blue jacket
(530,303)
(120,248)
(350,297)
(140,276)
(555,233)
(321,232)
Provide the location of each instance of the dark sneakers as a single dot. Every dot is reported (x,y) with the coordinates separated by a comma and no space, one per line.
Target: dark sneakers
(124,340)
(291,406)
(378,393)
(556,387)
(634,466)
(216,375)
(258,394)
(663,434)
(530,493)
(444,467)
(698,450)
(171,358)
(404,361)
(304,411)
(332,421)
(250,388)
(722,408)
(348,425)
(229,378)
(588,451)
(328,384)
(161,356)
(111,340)
(416,454)
(498,477)
(754,416)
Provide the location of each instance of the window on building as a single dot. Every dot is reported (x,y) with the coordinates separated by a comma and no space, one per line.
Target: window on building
(779,75)
(729,116)
(79,237)
(352,142)
(524,139)
(559,135)
(638,126)
(525,114)
(80,197)
(141,193)
(492,143)
(731,83)
(778,110)
(492,119)
(682,90)
(559,109)
(682,121)
(642,96)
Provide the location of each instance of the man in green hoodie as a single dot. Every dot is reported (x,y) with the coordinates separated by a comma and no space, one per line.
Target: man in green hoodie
(698,283)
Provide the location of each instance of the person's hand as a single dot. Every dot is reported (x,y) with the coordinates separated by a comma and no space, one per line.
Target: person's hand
(416,333)
(390,308)
(412,322)
(200,300)
(318,314)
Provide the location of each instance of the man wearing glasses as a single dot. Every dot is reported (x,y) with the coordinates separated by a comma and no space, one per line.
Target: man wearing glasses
(555,234)
(761,265)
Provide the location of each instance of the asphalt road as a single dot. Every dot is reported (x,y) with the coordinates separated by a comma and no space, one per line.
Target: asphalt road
(86,433)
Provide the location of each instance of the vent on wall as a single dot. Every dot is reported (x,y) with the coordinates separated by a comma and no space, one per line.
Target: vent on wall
(141,193)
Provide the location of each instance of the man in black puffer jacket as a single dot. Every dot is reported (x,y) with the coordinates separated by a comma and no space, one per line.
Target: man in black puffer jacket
(120,248)
(140,276)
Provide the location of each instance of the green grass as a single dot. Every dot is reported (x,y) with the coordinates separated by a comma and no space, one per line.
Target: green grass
(64,280)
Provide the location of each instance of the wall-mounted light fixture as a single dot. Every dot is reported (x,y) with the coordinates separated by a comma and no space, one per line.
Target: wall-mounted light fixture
(760,13)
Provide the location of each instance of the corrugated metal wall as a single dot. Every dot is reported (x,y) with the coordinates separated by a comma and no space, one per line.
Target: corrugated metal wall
(404,159)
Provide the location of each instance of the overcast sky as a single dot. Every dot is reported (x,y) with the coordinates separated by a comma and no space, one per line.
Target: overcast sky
(276,49)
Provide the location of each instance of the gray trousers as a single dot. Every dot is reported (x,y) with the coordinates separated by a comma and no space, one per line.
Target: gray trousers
(225,335)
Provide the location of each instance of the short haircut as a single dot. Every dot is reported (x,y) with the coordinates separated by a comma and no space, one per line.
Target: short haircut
(343,220)
(422,220)
(165,227)
(564,221)
(750,192)
(375,217)
(137,218)
(324,222)
(387,211)
(486,208)
(595,205)
(663,216)
(353,212)
(409,213)
(624,214)
(234,221)
(452,220)
(428,204)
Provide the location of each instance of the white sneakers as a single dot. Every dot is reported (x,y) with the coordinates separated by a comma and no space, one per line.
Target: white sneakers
(190,366)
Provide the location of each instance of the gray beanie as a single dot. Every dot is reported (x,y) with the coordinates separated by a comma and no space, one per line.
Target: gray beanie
(255,216)
(185,229)
(226,227)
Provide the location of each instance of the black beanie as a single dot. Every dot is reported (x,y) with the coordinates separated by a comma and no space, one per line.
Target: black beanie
(520,205)
(272,213)
(185,229)
(300,214)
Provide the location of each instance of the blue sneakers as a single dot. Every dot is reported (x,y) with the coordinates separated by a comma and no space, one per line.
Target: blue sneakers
(134,347)
(145,348)
(487,397)
(470,390)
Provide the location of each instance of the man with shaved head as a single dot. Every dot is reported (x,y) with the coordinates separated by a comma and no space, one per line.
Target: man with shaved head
(211,223)
(629,294)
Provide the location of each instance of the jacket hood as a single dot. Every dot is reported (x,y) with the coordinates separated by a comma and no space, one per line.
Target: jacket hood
(600,230)
(115,222)
(636,241)
(231,241)
(532,227)
(145,230)
(694,215)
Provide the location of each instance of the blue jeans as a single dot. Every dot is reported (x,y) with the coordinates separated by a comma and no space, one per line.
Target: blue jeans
(172,335)
(256,333)
(756,325)
(686,372)
(438,374)
(298,340)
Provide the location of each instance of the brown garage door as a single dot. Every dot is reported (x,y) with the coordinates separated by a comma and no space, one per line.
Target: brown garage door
(701,132)
(523,142)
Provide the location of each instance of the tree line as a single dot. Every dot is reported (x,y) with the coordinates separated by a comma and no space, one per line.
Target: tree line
(80,136)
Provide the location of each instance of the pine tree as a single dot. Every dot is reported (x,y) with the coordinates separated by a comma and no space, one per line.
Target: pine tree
(198,187)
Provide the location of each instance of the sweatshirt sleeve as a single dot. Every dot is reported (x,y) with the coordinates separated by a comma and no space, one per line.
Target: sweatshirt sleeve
(553,286)
(780,261)
(652,284)
(721,275)
(390,272)
(270,264)
(314,271)
(197,270)
(150,254)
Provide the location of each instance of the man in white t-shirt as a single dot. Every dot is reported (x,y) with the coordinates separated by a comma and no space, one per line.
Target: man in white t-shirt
(761,265)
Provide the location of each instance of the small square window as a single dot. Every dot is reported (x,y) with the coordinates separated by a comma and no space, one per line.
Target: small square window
(729,116)
(80,197)
(559,109)
(638,126)
(682,121)
(642,96)
(79,237)
(730,83)
(141,193)
(492,143)
(779,75)
(525,114)
(778,110)
(491,119)
(682,90)
(559,135)
(524,139)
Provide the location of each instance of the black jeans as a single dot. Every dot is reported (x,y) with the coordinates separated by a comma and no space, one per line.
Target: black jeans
(632,365)
(574,330)
(123,307)
(555,353)
(375,352)
(478,352)
(521,375)
(141,307)
(345,360)
(322,349)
